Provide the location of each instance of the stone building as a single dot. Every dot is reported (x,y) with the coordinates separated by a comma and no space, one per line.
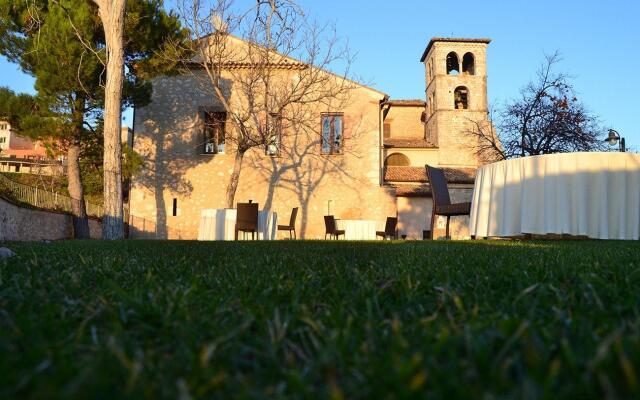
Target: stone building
(21,154)
(376,171)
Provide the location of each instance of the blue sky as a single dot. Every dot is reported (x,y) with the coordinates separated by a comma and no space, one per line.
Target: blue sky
(599,42)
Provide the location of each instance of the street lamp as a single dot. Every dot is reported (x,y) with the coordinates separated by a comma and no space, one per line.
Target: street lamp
(613,138)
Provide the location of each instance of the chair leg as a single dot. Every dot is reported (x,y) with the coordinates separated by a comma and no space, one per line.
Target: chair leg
(294,234)
(447,234)
(433,224)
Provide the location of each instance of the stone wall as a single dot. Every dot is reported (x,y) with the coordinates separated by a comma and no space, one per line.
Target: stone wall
(19,223)
(417,157)
(405,122)
(414,215)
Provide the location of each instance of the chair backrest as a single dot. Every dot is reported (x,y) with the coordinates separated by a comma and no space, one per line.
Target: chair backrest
(247,217)
(439,188)
(329,223)
(390,226)
(294,213)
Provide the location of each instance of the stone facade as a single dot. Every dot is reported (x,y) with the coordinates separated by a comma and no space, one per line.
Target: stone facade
(446,125)
(179,181)
(169,132)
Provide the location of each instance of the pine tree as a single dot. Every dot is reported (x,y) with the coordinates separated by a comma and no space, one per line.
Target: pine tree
(62,44)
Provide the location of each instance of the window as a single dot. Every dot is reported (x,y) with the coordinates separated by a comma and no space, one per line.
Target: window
(274,132)
(3,127)
(174,210)
(332,133)
(3,139)
(468,64)
(397,160)
(453,65)
(214,123)
(461,98)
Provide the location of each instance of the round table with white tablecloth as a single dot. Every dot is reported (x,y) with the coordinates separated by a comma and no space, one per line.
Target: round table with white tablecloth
(588,194)
(358,229)
(220,223)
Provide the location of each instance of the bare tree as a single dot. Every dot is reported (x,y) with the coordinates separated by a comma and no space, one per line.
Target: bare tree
(546,118)
(266,67)
(111,14)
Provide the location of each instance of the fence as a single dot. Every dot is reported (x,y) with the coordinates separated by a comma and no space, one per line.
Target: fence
(43,198)
(137,227)
(140,228)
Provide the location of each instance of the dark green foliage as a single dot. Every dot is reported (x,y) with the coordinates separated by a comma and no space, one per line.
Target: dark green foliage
(320,320)
(43,37)
(15,107)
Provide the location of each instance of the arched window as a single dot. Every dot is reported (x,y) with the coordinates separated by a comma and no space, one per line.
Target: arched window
(453,66)
(468,64)
(461,98)
(396,160)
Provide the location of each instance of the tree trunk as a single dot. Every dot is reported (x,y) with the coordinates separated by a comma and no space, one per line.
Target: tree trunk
(78,207)
(235,178)
(112,16)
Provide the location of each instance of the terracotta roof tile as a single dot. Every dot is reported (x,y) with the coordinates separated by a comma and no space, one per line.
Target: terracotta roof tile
(412,190)
(407,102)
(409,143)
(419,174)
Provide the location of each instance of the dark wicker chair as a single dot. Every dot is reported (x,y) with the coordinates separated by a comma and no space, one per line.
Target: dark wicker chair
(389,229)
(247,219)
(330,228)
(441,200)
(292,224)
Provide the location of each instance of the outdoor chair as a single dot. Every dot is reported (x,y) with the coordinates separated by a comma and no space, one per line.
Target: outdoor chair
(389,229)
(292,224)
(247,219)
(330,228)
(441,201)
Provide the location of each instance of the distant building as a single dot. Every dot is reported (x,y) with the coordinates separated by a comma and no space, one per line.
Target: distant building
(21,154)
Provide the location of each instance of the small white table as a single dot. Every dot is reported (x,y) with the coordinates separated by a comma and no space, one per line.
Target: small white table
(358,229)
(220,223)
(589,194)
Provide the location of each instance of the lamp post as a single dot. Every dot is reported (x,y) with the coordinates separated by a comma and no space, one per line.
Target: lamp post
(613,138)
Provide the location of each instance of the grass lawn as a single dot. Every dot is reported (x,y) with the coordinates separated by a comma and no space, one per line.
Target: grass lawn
(337,320)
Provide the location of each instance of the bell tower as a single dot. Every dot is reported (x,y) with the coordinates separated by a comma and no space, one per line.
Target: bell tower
(456,96)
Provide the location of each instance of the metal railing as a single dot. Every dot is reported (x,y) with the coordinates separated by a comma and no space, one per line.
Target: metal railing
(42,198)
(141,228)
(137,227)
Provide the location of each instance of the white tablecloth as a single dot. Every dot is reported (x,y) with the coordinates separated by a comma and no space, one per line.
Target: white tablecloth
(220,223)
(591,194)
(358,229)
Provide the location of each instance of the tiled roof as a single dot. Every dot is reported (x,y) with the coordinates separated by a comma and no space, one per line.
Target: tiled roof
(412,190)
(409,143)
(407,102)
(24,153)
(419,174)
(459,40)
